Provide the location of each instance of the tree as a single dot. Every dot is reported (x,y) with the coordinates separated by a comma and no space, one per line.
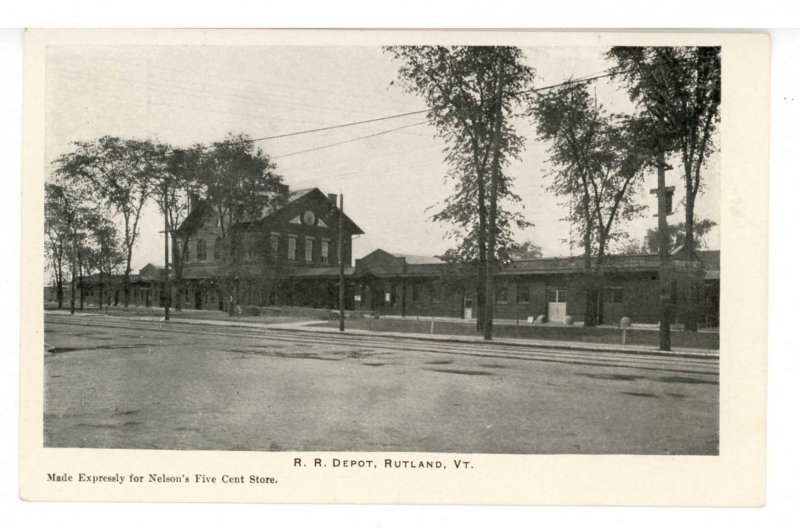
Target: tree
(474,95)
(102,250)
(597,162)
(239,183)
(525,251)
(680,89)
(179,186)
(173,182)
(59,218)
(115,172)
(677,236)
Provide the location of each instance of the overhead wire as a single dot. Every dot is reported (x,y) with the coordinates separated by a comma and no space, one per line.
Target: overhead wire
(600,75)
(321,147)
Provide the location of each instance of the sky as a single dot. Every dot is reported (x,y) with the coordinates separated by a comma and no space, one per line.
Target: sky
(392,183)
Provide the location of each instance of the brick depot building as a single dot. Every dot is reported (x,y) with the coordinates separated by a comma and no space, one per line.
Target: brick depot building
(297,265)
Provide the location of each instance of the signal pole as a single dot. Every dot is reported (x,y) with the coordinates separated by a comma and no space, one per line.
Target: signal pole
(341,262)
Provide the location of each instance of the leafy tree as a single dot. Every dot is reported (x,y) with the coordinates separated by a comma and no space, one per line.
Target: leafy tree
(182,185)
(59,219)
(679,88)
(239,183)
(79,238)
(474,95)
(102,249)
(525,251)
(115,172)
(173,179)
(597,162)
(677,235)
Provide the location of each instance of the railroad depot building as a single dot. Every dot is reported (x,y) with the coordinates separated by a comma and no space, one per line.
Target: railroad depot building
(290,257)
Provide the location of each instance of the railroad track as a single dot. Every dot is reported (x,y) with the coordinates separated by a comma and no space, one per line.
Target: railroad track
(685,365)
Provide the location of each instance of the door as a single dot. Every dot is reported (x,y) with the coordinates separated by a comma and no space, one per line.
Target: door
(556,305)
(468,305)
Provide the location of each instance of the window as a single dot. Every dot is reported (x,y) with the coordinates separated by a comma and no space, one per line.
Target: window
(249,247)
(523,292)
(324,251)
(613,296)
(557,296)
(291,254)
(201,250)
(218,248)
(274,241)
(415,288)
(501,291)
(188,255)
(435,292)
(309,249)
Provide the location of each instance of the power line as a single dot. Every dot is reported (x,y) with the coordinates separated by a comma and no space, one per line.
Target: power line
(579,80)
(348,140)
(601,75)
(290,134)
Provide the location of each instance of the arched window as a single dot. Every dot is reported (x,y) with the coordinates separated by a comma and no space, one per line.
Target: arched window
(201,250)
(218,248)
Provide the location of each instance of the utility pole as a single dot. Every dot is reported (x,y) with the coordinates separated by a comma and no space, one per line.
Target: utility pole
(74,271)
(166,259)
(341,262)
(663,256)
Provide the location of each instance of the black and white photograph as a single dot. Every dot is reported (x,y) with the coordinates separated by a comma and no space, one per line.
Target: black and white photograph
(383,253)
(431,248)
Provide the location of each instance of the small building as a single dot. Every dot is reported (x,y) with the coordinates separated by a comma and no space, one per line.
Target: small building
(554,288)
(289,256)
(146,288)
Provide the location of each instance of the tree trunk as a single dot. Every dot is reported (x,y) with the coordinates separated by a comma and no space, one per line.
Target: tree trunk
(100,286)
(599,284)
(492,219)
(126,280)
(60,286)
(80,279)
(72,286)
(589,313)
(690,316)
(480,294)
(177,265)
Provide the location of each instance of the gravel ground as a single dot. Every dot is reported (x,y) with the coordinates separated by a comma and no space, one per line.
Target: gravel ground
(170,386)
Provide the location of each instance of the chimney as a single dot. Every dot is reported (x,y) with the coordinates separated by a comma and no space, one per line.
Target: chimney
(333,198)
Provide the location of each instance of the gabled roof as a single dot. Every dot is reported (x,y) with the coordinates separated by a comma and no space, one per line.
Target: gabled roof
(312,193)
(194,220)
(299,193)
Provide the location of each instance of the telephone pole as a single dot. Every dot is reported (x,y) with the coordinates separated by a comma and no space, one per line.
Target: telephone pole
(74,272)
(341,262)
(663,256)
(166,260)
